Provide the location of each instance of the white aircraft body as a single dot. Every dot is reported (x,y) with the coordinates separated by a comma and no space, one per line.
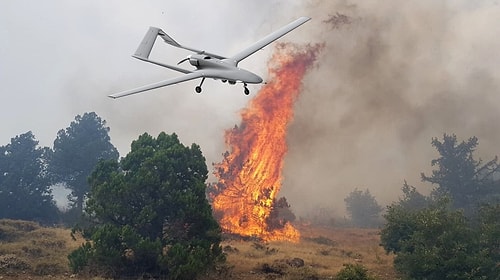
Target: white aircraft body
(208,65)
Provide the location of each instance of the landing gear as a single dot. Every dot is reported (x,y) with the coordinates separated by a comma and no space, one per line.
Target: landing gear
(198,88)
(246,91)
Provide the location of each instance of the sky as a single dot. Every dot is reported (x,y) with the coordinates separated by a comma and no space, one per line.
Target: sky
(391,78)
(62,58)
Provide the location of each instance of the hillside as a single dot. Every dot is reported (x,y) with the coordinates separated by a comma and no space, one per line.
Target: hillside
(28,250)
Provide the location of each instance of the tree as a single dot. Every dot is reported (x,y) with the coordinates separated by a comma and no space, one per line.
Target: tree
(401,218)
(362,208)
(77,149)
(437,243)
(436,237)
(280,214)
(24,184)
(151,214)
(467,181)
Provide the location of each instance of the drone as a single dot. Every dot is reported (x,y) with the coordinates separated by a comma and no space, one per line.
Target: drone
(208,65)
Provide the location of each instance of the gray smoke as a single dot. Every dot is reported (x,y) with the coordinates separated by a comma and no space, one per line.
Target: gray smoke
(393,75)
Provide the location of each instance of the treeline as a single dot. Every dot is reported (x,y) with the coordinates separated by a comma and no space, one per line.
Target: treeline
(145,215)
(453,233)
(28,171)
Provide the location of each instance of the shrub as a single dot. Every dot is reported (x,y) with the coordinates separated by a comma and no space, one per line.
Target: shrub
(353,272)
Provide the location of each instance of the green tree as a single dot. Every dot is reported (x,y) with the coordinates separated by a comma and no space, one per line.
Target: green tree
(436,237)
(151,214)
(77,149)
(362,208)
(467,181)
(437,242)
(489,241)
(24,184)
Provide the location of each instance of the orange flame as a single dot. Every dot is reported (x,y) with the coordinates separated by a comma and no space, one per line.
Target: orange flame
(250,175)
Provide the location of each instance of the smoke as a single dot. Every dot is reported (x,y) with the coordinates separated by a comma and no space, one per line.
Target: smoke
(392,75)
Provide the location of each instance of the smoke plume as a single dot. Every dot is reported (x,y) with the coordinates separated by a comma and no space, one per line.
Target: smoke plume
(392,75)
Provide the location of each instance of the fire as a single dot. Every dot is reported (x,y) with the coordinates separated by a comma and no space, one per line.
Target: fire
(250,174)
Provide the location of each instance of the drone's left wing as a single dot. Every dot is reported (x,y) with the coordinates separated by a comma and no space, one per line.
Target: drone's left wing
(184,78)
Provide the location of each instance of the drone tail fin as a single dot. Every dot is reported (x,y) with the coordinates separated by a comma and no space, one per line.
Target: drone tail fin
(147,43)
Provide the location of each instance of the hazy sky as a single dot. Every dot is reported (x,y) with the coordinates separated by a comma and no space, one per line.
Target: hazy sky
(62,58)
(400,73)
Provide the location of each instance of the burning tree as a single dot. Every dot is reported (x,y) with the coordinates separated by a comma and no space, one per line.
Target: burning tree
(250,173)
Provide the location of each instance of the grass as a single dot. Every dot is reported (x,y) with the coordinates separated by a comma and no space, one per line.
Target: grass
(323,250)
(28,250)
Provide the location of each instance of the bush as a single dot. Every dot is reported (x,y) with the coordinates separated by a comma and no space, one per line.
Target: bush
(79,258)
(353,272)
(363,208)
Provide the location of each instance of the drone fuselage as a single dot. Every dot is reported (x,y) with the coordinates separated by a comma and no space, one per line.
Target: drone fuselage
(222,69)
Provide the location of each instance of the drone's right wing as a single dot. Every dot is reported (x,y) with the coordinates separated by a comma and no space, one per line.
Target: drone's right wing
(268,39)
(184,78)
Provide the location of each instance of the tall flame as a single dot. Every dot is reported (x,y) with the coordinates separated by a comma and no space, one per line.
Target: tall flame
(250,174)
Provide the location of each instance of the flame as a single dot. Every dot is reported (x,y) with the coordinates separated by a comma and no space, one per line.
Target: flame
(250,174)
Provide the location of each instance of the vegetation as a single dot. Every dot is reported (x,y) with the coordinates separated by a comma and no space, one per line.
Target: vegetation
(448,235)
(468,182)
(24,182)
(77,149)
(36,252)
(28,249)
(150,214)
(353,272)
(363,209)
(28,171)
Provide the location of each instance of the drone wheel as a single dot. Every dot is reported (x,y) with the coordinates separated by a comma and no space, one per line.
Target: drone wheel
(197,89)
(247,92)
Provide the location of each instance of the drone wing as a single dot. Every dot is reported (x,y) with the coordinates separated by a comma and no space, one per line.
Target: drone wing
(184,78)
(268,39)
(172,42)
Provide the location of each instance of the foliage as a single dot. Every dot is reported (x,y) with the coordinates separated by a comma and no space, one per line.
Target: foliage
(280,214)
(362,208)
(79,258)
(77,149)
(353,272)
(489,232)
(150,213)
(401,220)
(438,243)
(454,233)
(24,183)
(467,181)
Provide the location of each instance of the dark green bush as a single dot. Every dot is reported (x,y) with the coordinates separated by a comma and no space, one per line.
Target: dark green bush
(353,272)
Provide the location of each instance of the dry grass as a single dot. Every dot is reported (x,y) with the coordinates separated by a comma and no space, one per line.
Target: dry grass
(30,251)
(323,250)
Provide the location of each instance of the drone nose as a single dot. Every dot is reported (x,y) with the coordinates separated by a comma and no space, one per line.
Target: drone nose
(256,79)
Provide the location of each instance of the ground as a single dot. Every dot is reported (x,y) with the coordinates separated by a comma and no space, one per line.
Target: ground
(29,251)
